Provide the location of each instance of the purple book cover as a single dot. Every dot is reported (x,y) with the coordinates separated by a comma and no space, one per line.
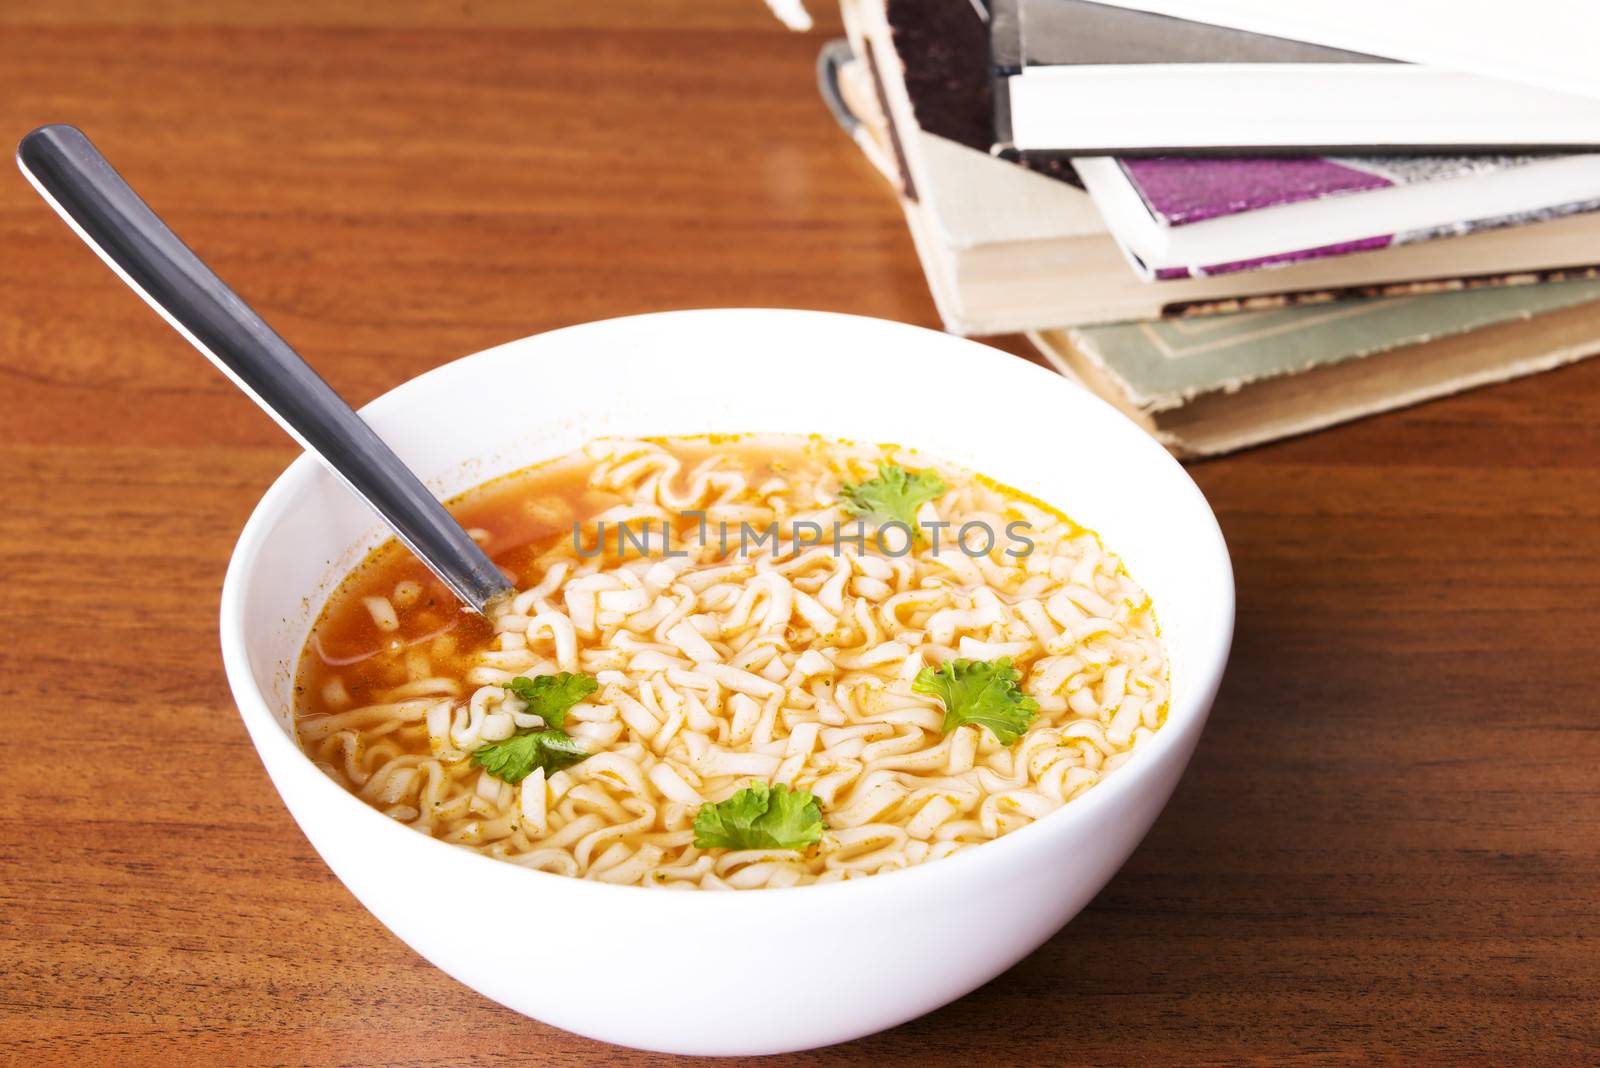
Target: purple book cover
(1180,190)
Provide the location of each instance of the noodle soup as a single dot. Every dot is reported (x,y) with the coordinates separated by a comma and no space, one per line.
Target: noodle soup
(738,663)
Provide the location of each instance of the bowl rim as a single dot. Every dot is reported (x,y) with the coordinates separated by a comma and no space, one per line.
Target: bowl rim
(267,733)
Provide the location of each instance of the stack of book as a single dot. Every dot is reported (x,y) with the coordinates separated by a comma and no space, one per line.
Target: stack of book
(1242,228)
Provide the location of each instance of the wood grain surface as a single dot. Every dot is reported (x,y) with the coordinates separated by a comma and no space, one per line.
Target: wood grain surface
(1387,848)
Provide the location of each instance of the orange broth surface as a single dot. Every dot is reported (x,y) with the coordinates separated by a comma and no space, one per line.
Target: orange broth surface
(516,518)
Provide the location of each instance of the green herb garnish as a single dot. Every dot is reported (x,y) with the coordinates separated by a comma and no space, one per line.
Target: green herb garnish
(550,696)
(515,758)
(894,496)
(982,692)
(760,817)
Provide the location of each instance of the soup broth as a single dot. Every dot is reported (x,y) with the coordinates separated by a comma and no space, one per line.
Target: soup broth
(737,662)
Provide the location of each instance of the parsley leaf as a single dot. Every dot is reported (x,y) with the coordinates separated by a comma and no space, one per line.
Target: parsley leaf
(982,692)
(895,495)
(515,758)
(760,817)
(550,696)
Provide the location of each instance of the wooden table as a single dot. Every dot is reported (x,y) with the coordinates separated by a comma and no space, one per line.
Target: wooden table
(1387,847)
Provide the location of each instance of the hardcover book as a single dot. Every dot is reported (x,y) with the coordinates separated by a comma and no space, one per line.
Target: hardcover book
(1549,43)
(1080,78)
(1224,382)
(1183,216)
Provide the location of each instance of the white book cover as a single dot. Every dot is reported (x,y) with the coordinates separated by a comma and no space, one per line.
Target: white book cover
(1548,43)
(1085,78)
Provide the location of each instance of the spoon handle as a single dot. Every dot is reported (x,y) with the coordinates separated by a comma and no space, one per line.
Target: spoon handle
(109,216)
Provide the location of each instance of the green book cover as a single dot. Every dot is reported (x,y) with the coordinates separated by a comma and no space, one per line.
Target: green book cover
(1163,362)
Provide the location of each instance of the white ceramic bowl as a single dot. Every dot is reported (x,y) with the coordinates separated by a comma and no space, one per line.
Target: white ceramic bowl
(771,970)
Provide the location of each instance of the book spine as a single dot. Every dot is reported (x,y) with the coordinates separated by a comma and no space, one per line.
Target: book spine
(1264,302)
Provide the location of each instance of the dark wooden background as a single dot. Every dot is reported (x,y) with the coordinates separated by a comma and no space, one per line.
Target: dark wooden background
(1387,847)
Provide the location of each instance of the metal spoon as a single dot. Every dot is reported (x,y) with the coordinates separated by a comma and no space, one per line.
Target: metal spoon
(78,182)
